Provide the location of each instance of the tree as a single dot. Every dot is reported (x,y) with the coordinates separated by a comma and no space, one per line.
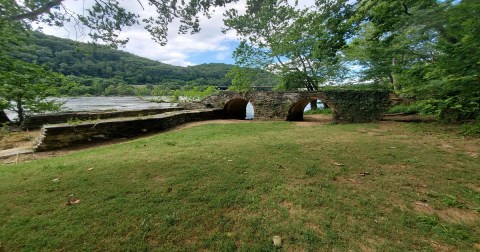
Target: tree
(24,87)
(241,77)
(300,45)
(279,37)
(392,36)
(425,49)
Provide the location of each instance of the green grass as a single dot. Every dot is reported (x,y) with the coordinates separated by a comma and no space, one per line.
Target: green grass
(235,186)
(326,111)
(403,108)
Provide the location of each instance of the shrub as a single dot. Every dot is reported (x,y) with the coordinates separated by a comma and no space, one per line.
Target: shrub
(409,109)
(4,130)
(471,129)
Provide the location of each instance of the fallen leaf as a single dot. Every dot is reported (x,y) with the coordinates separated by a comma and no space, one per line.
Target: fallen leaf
(73,201)
(364,173)
(338,164)
(89,169)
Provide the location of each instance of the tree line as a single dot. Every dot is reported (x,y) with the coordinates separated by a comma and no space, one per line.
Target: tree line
(94,69)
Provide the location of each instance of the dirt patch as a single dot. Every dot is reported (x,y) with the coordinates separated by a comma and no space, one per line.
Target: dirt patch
(441,247)
(474,187)
(21,140)
(314,120)
(408,118)
(220,121)
(459,216)
(453,215)
(292,209)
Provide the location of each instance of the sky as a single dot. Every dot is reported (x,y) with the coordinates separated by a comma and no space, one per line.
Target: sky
(208,46)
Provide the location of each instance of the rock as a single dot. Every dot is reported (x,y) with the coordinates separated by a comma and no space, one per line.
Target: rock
(277,241)
(72,200)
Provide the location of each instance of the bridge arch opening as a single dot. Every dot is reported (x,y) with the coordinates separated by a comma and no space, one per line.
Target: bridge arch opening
(296,111)
(239,108)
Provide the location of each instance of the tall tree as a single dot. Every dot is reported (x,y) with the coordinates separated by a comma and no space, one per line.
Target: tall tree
(279,37)
(425,49)
(242,79)
(301,45)
(24,88)
(391,36)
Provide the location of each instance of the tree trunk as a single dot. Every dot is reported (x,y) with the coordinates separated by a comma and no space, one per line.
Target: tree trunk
(20,112)
(313,105)
(392,77)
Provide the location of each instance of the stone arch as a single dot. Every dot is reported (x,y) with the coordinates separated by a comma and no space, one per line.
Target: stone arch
(295,112)
(236,108)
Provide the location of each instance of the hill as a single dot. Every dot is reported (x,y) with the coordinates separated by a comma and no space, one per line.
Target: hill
(86,64)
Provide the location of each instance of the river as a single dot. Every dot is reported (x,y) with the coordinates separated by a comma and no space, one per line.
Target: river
(104,103)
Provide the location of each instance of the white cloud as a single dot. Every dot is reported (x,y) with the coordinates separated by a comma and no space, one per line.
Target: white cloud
(180,47)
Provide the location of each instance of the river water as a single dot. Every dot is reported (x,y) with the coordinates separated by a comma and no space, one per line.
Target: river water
(106,103)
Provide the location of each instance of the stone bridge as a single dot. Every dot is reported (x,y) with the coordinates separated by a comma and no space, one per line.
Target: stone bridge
(346,105)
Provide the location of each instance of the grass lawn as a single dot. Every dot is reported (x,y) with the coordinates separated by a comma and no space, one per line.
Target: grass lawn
(225,187)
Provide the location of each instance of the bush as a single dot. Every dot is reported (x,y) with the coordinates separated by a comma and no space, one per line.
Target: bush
(452,109)
(4,130)
(471,129)
(406,109)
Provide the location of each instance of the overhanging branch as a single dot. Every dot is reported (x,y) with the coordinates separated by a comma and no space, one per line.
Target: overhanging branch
(37,12)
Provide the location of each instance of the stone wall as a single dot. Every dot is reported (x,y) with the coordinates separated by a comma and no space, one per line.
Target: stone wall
(64,135)
(268,105)
(358,106)
(37,121)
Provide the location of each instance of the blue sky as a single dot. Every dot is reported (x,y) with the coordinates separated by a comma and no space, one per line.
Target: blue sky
(225,56)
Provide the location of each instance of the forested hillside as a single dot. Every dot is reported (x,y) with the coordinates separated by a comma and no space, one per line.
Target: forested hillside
(96,67)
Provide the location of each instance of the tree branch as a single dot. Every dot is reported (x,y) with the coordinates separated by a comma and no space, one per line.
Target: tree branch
(35,13)
(280,61)
(405,9)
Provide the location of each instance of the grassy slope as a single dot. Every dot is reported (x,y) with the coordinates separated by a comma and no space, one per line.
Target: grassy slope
(235,186)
